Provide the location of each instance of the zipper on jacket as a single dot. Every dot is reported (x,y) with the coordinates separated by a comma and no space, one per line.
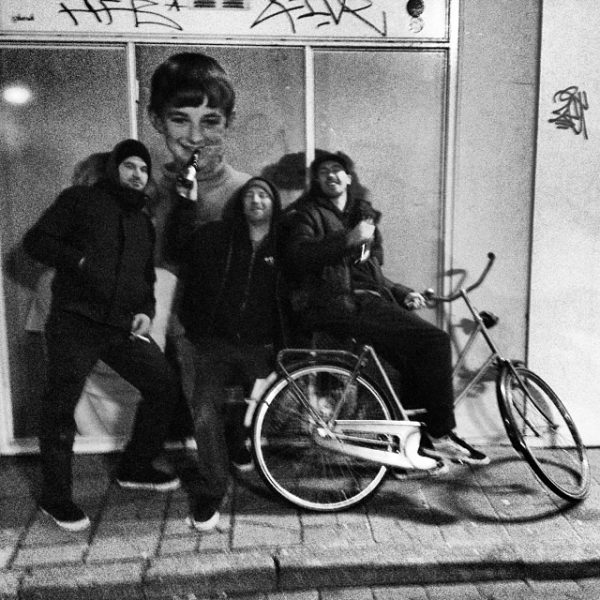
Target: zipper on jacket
(244,302)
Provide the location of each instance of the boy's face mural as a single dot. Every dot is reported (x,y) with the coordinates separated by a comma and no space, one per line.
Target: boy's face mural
(190,128)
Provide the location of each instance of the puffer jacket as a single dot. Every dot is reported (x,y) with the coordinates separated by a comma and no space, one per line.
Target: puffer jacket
(229,287)
(322,272)
(103,224)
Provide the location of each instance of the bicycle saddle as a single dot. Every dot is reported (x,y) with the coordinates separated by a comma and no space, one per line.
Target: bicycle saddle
(489,319)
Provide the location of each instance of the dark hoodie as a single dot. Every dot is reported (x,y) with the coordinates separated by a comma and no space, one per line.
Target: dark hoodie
(229,287)
(104,225)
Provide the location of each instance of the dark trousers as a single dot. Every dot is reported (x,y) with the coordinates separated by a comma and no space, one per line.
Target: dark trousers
(218,423)
(420,351)
(74,345)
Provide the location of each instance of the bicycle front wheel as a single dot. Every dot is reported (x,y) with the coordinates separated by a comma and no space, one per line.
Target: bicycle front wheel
(285,437)
(541,429)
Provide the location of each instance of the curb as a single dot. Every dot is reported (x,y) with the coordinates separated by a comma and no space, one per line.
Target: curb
(230,574)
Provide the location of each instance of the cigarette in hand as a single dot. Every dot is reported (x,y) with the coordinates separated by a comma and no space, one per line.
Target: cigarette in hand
(140,337)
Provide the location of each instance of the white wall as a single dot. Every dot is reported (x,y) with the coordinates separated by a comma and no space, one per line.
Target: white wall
(495,152)
(565,284)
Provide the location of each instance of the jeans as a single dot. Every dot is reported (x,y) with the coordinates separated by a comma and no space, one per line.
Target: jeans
(218,425)
(74,345)
(420,351)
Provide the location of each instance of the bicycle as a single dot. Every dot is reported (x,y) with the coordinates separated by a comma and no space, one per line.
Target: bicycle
(327,424)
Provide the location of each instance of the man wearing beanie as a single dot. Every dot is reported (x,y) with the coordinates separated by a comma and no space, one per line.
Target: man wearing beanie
(101,243)
(232,320)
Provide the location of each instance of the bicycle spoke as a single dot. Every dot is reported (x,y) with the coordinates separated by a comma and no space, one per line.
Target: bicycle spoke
(542,430)
(292,419)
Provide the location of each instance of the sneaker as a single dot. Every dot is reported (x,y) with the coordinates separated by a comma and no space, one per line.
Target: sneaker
(66,514)
(453,448)
(441,468)
(242,461)
(148,479)
(204,516)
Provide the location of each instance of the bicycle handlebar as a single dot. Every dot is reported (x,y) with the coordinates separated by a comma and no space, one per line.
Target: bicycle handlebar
(431,296)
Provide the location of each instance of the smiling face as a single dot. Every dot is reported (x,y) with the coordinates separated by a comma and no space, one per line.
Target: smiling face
(133,173)
(258,205)
(333,179)
(190,128)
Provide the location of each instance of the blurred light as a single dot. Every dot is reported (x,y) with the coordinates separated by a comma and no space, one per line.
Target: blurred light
(16,94)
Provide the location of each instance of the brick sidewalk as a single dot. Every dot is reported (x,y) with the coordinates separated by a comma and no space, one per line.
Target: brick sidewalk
(494,522)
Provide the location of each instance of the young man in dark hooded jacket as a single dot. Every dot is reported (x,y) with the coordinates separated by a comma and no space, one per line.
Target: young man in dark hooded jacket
(231,316)
(332,260)
(101,244)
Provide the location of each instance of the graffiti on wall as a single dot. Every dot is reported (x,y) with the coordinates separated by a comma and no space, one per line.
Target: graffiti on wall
(571,113)
(143,13)
(324,13)
(320,18)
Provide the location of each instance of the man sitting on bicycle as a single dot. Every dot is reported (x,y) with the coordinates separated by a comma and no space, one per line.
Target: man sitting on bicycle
(332,257)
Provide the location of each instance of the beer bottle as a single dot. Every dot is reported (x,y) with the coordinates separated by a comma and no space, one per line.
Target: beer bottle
(188,173)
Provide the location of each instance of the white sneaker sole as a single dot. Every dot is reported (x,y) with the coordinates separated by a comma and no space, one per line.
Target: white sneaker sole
(415,474)
(80,525)
(243,468)
(204,525)
(461,460)
(153,487)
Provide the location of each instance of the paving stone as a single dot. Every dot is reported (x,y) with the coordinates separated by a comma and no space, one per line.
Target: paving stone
(217,540)
(15,513)
(18,477)
(470,532)
(341,535)
(379,564)
(124,529)
(359,593)
(408,532)
(302,595)
(34,556)
(407,592)
(507,590)
(550,588)
(112,581)
(9,585)
(6,554)
(141,509)
(268,530)
(212,573)
(178,545)
(127,546)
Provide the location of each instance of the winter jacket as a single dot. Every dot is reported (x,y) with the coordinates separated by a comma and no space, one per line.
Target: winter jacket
(322,272)
(229,287)
(101,245)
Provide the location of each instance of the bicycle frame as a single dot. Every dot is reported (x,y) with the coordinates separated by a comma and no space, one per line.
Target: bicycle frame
(494,358)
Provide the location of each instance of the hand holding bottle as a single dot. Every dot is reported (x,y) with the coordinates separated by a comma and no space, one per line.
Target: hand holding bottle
(186,183)
(362,232)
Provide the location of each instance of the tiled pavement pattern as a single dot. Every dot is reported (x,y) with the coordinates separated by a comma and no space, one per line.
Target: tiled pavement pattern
(437,538)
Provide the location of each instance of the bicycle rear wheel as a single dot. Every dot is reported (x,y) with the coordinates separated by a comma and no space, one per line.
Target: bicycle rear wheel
(284,438)
(541,429)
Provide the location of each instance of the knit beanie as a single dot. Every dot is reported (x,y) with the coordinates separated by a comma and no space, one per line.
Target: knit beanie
(263,184)
(131,147)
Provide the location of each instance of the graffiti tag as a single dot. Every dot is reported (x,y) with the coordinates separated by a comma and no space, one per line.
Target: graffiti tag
(321,12)
(141,12)
(571,114)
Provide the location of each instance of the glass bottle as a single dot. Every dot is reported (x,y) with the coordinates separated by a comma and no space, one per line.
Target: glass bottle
(188,173)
